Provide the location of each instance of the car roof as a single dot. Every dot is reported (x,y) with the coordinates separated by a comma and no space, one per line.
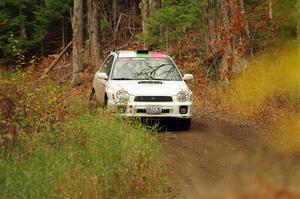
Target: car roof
(141,53)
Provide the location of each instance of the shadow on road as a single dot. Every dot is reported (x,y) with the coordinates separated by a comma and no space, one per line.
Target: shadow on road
(173,125)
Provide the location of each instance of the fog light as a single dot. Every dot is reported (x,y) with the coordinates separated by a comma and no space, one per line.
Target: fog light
(183,109)
(121,109)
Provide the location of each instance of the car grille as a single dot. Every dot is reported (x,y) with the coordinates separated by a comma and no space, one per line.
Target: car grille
(153,99)
(145,111)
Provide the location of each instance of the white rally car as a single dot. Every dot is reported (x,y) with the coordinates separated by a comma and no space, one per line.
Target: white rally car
(144,84)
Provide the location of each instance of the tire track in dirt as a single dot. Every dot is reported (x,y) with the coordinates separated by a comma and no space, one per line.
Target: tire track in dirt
(219,159)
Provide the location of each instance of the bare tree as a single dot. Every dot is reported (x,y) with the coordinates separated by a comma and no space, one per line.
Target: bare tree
(23,32)
(270,10)
(77,24)
(94,30)
(227,61)
(148,8)
(298,24)
(114,7)
(234,26)
(242,5)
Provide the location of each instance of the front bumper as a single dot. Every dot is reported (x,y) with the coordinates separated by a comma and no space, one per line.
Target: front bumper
(168,109)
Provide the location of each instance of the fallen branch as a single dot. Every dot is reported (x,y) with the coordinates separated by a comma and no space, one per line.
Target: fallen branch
(61,80)
(56,60)
(61,67)
(125,45)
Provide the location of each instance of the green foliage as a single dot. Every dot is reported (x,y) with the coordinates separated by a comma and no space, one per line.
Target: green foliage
(175,17)
(29,22)
(28,106)
(288,22)
(49,15)
(178,16)
(44,154)
(15,14)
(93,157)
(265,32)
(104,24)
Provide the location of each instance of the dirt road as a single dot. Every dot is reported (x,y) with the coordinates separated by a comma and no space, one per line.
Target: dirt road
(224,158)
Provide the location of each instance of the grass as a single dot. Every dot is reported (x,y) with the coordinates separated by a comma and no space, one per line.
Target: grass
(94,157)
(90,155)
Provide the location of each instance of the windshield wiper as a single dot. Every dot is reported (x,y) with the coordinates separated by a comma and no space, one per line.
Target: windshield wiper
(159,79)
(123,78)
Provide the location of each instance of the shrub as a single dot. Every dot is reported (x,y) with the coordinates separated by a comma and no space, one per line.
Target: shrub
(91,155)
(27,106)
(174,18)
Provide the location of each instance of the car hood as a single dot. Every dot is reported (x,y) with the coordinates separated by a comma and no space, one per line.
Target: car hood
(150,88)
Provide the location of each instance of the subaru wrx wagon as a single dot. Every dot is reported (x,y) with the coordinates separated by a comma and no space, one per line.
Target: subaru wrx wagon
(144,84)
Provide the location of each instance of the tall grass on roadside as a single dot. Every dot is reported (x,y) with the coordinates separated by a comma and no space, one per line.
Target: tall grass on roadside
(80,156)
(94,157)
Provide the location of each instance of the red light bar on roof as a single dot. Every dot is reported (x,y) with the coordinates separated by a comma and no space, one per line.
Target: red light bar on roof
(157,54)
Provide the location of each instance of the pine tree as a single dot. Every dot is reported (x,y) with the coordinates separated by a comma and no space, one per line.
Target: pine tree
(26,24)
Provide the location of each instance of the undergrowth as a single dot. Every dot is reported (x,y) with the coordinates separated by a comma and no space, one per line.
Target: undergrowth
(48,153)
(267,92)
(268,89)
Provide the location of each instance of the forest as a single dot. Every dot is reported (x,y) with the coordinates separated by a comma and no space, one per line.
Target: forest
(225,32)
(245,59)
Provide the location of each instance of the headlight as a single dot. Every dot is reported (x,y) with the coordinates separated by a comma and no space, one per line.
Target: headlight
(122,95)
(183,96)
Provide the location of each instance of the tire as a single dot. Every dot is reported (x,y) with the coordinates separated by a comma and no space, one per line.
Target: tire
(104,104)
(92,100)
(93,96)
(185,124)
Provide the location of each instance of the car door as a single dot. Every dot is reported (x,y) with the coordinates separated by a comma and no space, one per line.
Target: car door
(100,84)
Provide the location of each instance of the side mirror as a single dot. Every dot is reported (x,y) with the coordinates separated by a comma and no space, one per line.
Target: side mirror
(188,77)
(101,76)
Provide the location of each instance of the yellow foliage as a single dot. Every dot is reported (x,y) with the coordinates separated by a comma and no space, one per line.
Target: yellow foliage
(271,75)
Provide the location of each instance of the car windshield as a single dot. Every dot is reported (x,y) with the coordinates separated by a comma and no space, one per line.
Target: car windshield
(145,69)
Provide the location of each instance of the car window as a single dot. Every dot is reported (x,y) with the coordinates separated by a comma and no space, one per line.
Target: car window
(106,68)
(145,69)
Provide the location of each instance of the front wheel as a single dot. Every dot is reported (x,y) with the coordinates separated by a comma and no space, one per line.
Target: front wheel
(105,102)
(93,96)
(185,124)
(92,100)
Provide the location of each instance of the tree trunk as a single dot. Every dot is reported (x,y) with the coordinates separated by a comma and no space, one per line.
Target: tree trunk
(227,61)
(298,30)
(270,10)
(247,30)
(298,23)
(77,40)
(115,21)
(23,32)
(94,30)
(63,37)
(42,49)
(144,10)
(148,8)
(134,12)
(233,41)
